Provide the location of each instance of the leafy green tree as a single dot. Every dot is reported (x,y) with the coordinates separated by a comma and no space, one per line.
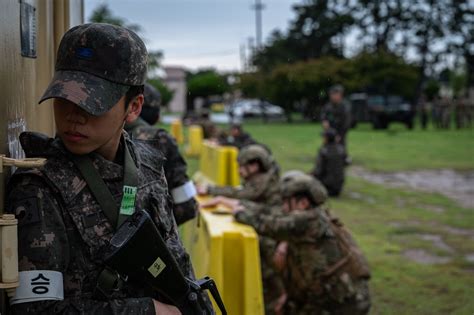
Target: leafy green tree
(317,30)
(207,83)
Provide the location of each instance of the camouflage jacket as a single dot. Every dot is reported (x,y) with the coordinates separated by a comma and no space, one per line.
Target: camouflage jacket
(313,252)
(174,165)
(330,164)
(62,227)
(338,116)
(261,188)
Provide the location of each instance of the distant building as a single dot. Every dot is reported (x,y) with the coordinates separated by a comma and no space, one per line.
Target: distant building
(175,80)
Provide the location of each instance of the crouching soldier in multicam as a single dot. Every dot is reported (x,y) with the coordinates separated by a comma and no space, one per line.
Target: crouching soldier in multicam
(325,272)
(181,189)
(260,174)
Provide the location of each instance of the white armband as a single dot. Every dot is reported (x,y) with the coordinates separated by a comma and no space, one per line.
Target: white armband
(39,285)
(183,193)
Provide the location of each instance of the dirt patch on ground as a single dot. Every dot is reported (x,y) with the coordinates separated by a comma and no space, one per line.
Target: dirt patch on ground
(455,185)
(423,257)
(437,241)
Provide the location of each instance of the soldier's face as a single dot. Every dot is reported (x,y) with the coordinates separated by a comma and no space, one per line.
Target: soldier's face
(291,204)
(335,97)
(83,133)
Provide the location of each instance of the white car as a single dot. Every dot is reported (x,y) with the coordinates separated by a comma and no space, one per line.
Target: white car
(254,108)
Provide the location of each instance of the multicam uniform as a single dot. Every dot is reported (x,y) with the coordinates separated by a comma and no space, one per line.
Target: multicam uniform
(262,188)
(62,227)
(323,274)
(181,188)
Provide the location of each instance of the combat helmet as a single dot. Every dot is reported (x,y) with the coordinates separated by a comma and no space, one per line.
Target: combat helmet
(255,152)
(296,182)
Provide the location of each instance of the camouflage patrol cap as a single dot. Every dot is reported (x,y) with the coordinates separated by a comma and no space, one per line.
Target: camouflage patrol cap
(255,152)
(152,96)
(297,182)
(96,65)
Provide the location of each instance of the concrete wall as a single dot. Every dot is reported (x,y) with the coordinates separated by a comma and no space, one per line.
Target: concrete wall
(175,80)
(24,79)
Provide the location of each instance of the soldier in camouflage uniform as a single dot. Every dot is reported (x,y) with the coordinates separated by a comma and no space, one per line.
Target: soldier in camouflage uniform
(337,113)
(97,87)
(259,172)
(237,138)
(182,189)
(330,163)
(325,271)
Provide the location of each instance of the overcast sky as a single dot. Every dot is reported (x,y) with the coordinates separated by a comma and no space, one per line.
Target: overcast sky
(199,33)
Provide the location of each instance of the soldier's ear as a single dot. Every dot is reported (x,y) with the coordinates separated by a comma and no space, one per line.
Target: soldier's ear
(134,108)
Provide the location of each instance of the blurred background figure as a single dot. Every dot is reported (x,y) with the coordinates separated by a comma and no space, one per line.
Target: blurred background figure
(237,137)
(330,163)
(336,114)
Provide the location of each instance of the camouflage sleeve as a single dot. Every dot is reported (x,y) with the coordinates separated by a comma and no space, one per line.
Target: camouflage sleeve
(250,191)
(279,227)
(185,211)
(43,245)
(175,168)
(324,113)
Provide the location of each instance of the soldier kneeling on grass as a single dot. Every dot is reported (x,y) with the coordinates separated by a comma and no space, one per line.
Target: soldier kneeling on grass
(324,270)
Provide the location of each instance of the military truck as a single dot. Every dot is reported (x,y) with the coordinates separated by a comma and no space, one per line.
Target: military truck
(381,110)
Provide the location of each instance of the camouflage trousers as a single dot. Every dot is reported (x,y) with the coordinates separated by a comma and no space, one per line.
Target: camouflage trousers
(358,304)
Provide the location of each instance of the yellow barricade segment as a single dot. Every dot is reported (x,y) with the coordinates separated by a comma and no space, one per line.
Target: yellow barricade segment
(218,164)
(177,131)
(233,167)
(195,138)
(228,252)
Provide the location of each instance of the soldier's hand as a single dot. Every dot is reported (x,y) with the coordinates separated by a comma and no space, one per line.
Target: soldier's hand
(280,304)
(279,258)
(165,309)
(326,124)
(202,190)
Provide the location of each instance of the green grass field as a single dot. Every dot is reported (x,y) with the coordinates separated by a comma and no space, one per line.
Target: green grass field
(388,221)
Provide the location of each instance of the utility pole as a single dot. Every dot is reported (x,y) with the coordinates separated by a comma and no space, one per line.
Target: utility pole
(243,58)
(258,7)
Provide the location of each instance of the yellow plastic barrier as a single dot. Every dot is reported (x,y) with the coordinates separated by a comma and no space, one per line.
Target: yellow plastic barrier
(233,167)
(177,131)
(228,252)
(195,139)
(218,165)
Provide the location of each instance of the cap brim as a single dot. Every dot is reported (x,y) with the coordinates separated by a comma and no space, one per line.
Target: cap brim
(91,93)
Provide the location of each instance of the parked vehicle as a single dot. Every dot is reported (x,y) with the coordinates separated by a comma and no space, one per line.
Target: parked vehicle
(386,109)
(359,109)
(254,108)
(380,110)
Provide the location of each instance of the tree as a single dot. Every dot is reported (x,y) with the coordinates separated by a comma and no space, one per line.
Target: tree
(318,30)
(206,83)
(379,23)
(461,41)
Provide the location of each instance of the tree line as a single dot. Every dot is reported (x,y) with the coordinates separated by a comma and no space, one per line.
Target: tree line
(394,46)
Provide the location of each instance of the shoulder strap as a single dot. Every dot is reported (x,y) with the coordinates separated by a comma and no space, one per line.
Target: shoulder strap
(98,187)
(102,193)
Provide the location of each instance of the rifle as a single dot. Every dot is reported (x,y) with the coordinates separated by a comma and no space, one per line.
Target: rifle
(138,252)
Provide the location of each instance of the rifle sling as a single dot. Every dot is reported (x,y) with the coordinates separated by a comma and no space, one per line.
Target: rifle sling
(99,188)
